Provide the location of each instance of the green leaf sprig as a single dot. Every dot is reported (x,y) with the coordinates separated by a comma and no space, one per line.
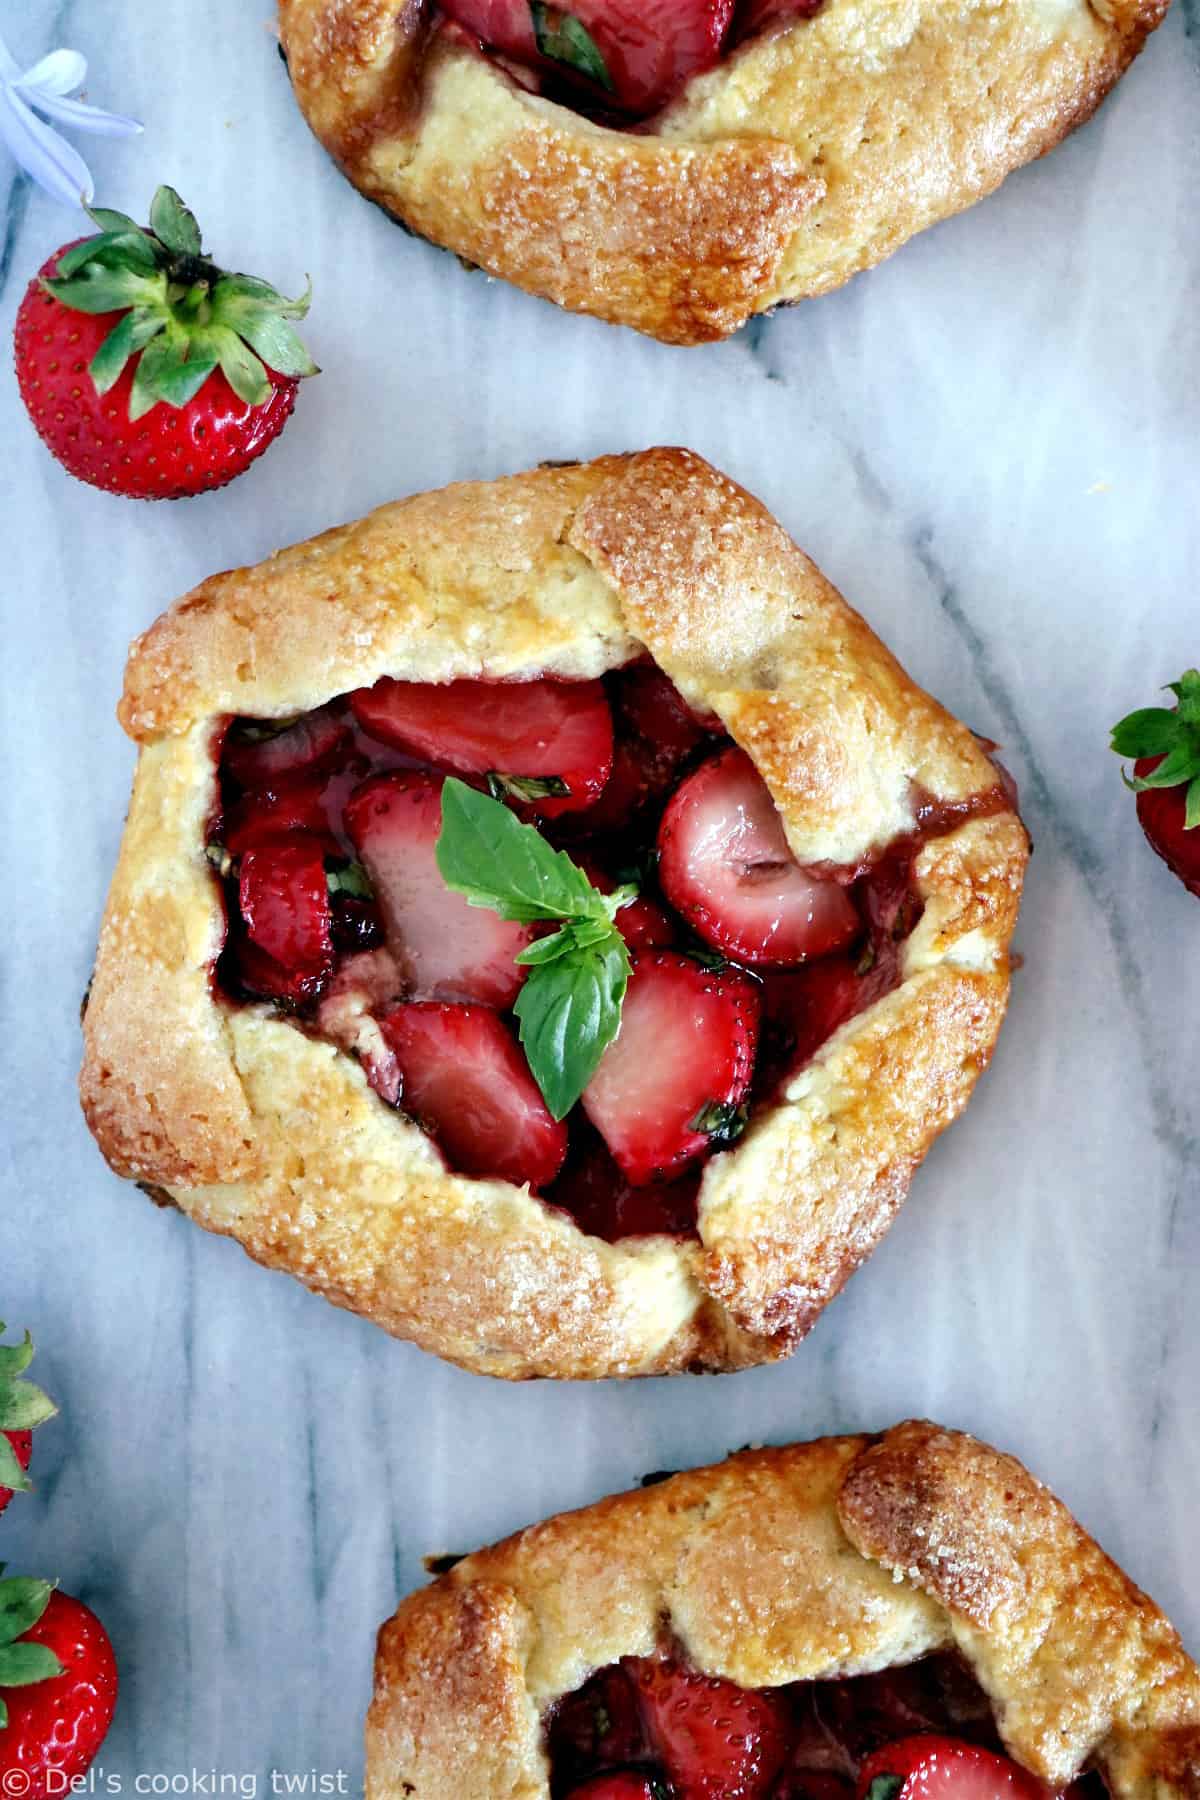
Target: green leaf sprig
(1173,733)
(22,1407)
(569,1008)
(23,1600)
(565,39)
(181,316)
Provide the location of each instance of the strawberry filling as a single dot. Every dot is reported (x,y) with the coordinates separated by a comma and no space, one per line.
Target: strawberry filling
(617,56)
(742,963)
(655,1726)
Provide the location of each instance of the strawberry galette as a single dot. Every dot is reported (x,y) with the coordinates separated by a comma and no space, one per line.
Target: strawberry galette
(681,166)
(548,922)
(909,1617)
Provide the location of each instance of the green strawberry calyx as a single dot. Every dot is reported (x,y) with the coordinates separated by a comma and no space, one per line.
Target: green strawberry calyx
(22,1407)
(1173,735)
(181,316)
(23,1600)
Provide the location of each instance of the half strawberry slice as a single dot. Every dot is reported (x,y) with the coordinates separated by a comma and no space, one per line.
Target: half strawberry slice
(726,867)
(546,744)
(632,56)
(716,1740)
(464,1078)
(671,1085)
(447,948)
(932,1767)
(258,753)
(283,896)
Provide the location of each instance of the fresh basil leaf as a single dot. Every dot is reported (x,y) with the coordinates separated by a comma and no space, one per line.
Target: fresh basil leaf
(22,1406)
(587,932)
(565,39)
(12,1475)
(21,1665)
(487,854)
(526,787)
(23,1600)
(1151,731)
(549,949)
(132,332)
(569,1012)
(174,224)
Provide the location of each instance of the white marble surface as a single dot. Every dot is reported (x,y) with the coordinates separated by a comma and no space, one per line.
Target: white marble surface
(990,444)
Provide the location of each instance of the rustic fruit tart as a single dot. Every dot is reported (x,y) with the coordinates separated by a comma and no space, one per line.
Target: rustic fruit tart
(682,166)
(548,922)
(909,1617)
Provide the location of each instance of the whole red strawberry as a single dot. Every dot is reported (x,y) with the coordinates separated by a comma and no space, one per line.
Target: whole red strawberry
(58,1688)
(1166,775)
(147,370)
(22,1406)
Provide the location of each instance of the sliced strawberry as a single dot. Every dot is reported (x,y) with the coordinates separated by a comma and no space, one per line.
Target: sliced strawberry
(529,733)
(863,1713)
(22,1445)
(449,950)
(717,1741)
(640,776)
(1163,816)
(639,55)
(598,1727)
(754,15)
(670,1086)
(605,1205)
(725,865)
(311,742)
(284,901)
(465,1078)
(652,706)
(804,1007)
(931,1767)
(625,1785)
(265,815)
(643,924)
(657,732)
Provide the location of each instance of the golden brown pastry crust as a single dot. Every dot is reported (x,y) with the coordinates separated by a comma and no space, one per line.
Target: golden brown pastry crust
(273,1137)
(810,153)
(834,1558)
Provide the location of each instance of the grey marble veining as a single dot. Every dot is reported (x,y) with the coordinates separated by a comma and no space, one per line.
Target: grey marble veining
(990,444)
